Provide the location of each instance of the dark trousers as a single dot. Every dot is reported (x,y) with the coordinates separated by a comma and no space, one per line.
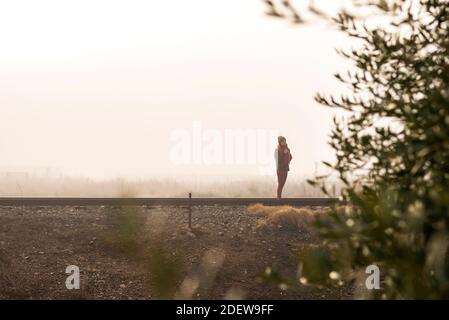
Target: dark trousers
(282,177)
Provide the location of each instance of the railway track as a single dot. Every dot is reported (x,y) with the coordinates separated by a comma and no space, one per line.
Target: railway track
(75,201)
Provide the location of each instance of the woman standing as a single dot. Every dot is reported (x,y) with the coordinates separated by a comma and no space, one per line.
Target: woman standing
(283,158)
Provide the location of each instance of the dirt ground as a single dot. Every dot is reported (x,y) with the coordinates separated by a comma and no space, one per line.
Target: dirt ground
(222,256)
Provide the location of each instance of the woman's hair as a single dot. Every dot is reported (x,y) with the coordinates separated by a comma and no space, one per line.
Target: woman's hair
(281,139)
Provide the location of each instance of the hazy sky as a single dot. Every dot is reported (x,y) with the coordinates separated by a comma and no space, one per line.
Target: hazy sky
(97,88)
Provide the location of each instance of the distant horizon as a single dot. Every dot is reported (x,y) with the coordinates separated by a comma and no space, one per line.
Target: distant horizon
(66,186)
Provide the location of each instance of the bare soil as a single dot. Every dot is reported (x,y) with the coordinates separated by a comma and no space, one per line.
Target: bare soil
(38,243)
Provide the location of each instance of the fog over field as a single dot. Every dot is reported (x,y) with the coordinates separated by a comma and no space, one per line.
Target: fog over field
(236,186)
(102,100)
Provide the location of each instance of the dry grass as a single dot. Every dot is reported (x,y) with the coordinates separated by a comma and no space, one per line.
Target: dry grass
(285,216)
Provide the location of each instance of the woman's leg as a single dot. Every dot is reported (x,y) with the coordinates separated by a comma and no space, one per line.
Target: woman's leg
(282,178)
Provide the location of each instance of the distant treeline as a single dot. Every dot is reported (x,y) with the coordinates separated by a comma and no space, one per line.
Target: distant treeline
(68,186)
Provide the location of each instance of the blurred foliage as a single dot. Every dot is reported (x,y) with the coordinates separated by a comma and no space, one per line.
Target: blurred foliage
(152,247)
(162,268)
(127,223)
(164,272)
(301,11)
(392,154)
(282,9)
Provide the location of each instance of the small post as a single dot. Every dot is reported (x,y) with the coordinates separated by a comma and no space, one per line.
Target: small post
(190,210)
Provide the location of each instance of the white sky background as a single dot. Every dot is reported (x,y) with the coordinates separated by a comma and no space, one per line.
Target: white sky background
(96,87)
